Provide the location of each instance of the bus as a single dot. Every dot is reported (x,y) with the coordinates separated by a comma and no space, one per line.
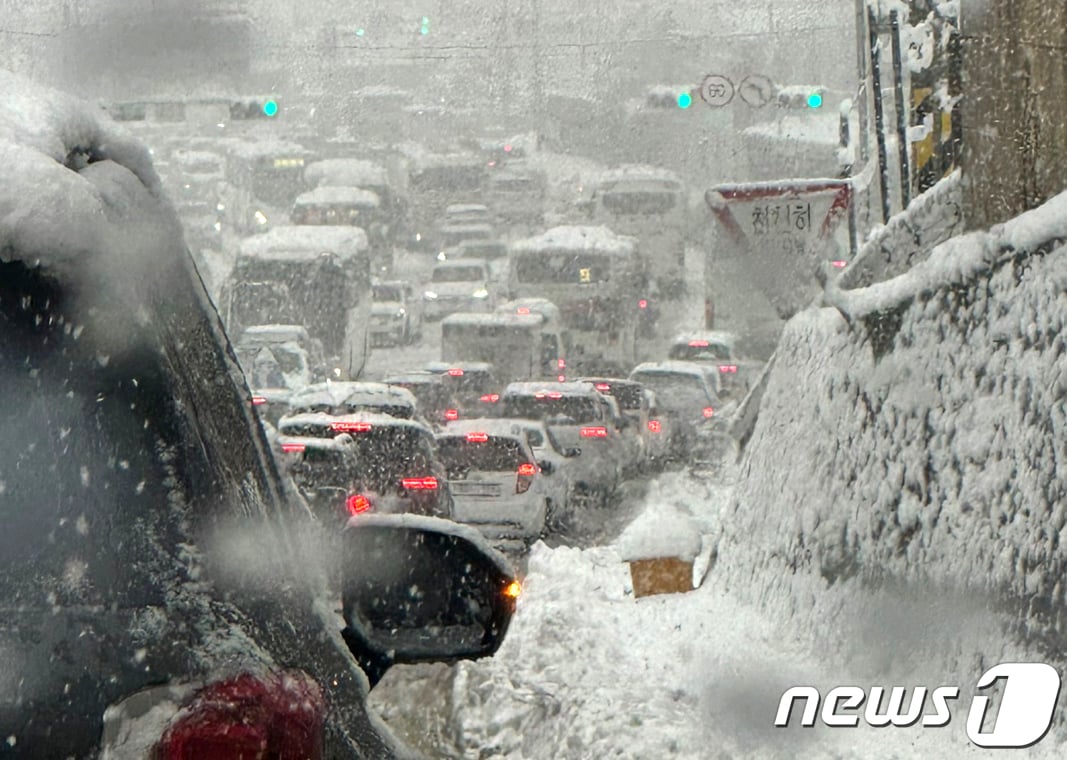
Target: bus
(318,277)
(265,178)
(519,346)
(651,204)
(349,206)
(596,279)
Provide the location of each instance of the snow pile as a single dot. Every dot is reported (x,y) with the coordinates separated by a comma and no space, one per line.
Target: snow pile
(660,531)
(926,447)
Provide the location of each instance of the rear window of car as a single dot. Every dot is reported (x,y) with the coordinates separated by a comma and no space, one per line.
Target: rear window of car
(323,467)
(385,454)
(460,455)
(628,396)
(564,410)
(672,385)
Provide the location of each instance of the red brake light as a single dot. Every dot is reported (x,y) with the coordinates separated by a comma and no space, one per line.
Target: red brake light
(728,369)
(561,363)
(561,378)
(594,432)
(642,304)
(477,437)
(522,310)
(419,484)
(603,387)
(555,394)
(698,344)
(654,426)
(490,398)
(258,401)
(357,504)
(527,469)
(455,372)
(350,427)
(293,448)
(840,264)
(708,412)
(507,149)
(451,414)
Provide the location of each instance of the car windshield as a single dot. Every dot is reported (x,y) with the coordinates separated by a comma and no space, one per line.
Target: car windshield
(859,483)
(458,274)
(488,453)
(564,410)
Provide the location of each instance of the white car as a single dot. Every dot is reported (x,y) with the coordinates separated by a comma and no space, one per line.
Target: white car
(581,419)
(353,398)
(717,349)
(555,463)
(687,394)
(455,286)
(395,313)
(496,482)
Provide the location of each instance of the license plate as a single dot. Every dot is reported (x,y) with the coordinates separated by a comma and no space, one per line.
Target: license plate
(475,489)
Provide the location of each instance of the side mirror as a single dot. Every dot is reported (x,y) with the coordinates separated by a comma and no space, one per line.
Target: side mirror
(421,589)
(546,467)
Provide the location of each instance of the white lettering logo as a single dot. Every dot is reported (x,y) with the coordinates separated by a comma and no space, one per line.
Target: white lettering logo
(1024,717)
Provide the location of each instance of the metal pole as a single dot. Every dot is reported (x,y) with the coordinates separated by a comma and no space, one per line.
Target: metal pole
(879,112)
(901,108)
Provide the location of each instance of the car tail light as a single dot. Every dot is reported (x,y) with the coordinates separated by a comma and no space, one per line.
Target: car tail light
(603,387)
(561,364)
(708,412)
(728,369)
(455,372)
(839,264)
(555,394)
(490,398)
(452,415)
(419,484)
(522,310)
(594,432)
(526,468)
(561,378)
(350,427)
(249,716)
(357,504)
(258,401)
(477,437)
(642,304)
(524,478)
(293,448)
(698,344)
(654,426)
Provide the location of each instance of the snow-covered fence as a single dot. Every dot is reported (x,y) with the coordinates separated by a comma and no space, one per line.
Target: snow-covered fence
(904,492)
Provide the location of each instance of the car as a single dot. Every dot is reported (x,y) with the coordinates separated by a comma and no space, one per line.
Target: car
(396,313)
(323,471)
(492,250)
(260,336)
(458,286)
(474,384)
(398,469)
(688,395)
(719,349)
(437,400)
(580,419)
(634,404)
(496,480)
(336,398)
(127,494)
(555,463)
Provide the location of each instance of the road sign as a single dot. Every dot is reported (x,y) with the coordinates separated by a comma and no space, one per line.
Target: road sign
(783,233)
(716,90)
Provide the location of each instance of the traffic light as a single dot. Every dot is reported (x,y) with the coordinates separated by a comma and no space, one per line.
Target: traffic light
(254,108)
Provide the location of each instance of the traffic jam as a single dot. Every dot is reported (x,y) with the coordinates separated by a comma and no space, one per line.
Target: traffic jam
(452,330)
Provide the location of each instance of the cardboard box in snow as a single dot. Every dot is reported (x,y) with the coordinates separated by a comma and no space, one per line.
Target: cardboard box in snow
(661,546)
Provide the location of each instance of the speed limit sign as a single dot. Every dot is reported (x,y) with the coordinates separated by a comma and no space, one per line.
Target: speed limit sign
(716,90)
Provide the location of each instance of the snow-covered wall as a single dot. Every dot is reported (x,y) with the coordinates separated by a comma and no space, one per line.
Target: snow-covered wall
(904,492)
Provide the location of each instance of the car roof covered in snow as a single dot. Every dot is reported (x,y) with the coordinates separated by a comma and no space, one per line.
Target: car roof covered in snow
(493,426)
(374,419)
(466,208)
(415,377)
(671,368)
(549,387)
(274,334)
(469,319)
(637,172)
(335,394)
(326,194)
(577,237)
(441,368)
(540,306)
(303,242)
(720,337)
(56,205)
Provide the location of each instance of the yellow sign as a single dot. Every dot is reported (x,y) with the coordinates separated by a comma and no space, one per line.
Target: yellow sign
(586,275)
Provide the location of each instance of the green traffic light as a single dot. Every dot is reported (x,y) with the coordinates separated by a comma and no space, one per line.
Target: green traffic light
(425,25)
(815,100)
(685,100)
(270,108)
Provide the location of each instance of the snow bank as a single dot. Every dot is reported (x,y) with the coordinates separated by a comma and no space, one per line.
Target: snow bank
(662,530)
(905,503)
